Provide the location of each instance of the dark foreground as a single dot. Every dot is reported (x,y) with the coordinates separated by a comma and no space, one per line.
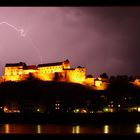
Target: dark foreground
(91,119)
(65,118)
(67,137)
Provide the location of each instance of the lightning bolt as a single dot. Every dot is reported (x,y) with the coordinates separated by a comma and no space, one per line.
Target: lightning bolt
(23,34)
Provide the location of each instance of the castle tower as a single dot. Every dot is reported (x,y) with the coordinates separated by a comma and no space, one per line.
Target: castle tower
(66,64)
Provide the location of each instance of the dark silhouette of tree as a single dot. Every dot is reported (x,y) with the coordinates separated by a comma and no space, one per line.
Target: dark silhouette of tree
(104,76)
(31,77)
(56,76)
(131,79)
(112,78)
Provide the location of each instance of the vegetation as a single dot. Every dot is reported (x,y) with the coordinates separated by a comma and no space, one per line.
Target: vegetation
(45,94)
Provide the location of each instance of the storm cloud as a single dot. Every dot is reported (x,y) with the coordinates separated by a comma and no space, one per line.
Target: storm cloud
(102,39)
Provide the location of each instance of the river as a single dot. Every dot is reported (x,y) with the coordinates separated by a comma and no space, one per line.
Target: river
(69,129)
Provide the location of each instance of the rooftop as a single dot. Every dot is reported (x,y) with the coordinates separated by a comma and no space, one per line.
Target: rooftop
(15,64)
(50,64)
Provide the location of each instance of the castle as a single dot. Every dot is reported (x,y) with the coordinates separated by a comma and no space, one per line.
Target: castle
(46,72)
(60,71)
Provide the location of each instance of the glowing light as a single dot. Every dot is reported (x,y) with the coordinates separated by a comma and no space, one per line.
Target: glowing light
(83,111)
(136,82)
(22,33)
(38,129)
(98,83)
(111,102)
(105,109)
(76,111)
(5,109)
(138,109)
(38,110)
(76,129)
(138,128)
(7,128)
(106,129)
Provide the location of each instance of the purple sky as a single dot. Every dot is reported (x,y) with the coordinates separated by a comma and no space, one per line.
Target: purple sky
(102,39)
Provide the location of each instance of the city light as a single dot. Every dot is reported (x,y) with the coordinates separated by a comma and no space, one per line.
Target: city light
(5,109)
(138,109)
(105,109)
(76,111)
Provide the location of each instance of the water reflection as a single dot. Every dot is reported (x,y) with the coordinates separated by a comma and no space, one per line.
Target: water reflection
(7,128)
(69,129)
(76,129)
(38,129)
(138,128)
(106,129)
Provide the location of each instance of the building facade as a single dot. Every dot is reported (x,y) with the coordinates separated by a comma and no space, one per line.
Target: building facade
(60,71)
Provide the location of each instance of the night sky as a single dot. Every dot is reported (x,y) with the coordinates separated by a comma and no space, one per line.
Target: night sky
(102,39)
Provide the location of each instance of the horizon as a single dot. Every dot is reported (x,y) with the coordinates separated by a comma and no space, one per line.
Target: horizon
(101,39)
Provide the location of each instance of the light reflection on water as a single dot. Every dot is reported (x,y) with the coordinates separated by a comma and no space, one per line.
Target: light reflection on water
(106,129)
(76,129)
(69,129)
(39,129)
(138,128)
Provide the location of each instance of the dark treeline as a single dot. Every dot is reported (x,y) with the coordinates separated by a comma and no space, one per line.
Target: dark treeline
(122,90)
(70,95)
(45,93)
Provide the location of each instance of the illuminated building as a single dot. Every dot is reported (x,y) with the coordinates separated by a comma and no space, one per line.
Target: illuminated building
(100,84)
(58,71)
(136,82)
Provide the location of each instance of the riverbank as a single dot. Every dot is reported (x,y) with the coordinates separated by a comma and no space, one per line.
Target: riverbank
(66,118)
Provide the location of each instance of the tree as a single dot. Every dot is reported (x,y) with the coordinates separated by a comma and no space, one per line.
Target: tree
(56,76)
(104,75)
